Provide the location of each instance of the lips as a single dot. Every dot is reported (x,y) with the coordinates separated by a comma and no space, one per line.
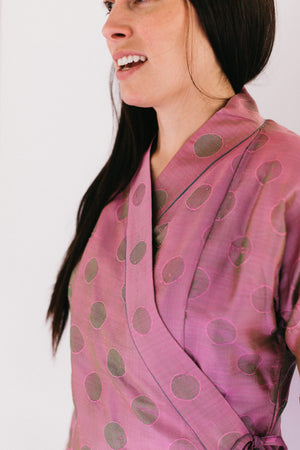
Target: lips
(126,71)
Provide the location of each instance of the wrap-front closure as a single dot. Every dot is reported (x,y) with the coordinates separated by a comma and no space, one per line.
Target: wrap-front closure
(185,386)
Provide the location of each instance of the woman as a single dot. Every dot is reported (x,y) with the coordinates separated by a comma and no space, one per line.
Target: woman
(183,275)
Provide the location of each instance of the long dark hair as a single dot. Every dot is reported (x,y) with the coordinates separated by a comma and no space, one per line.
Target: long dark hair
(241,33)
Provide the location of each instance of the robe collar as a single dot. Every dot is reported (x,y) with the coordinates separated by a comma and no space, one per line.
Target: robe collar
(234,124)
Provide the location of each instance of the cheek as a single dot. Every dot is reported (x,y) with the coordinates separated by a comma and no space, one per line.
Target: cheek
(167,58)
(164,33)
(165,72)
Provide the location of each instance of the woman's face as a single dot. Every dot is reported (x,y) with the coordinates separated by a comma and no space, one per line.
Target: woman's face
(157,30)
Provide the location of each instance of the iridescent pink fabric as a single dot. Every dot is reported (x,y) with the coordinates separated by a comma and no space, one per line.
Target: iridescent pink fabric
(184,311)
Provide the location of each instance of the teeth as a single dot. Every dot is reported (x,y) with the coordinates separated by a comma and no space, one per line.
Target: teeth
(129,59)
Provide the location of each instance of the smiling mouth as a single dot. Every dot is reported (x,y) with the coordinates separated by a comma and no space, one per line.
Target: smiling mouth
(131,65)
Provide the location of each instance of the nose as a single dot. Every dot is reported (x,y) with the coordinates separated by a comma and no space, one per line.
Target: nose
(117,25)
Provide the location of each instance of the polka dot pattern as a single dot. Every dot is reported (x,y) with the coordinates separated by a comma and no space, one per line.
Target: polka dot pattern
(228,441)
(221,331)
(115,436)
(262,299)
(212,240)
(122,211)
(278,218)
(259,142)
(91,270)
(240,250)
(76,339)
(208,145)
(248,422)
(206,233)
(121,253)
(268,171)
(70,292)
(173,270)
(198,197)
(235,163)
(139,194)
(97,314)
(142,321)
(200,283)
(227,206)
(93,386)
(249,363)
(138,253)
(115,363)
(182,444)
(145,410)
(159,234)
(124,293)
(185,387)
(160,197)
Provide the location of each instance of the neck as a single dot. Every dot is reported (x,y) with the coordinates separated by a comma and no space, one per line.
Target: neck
(177,121)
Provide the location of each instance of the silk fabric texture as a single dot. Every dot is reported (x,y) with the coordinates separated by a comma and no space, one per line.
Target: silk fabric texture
(184,313)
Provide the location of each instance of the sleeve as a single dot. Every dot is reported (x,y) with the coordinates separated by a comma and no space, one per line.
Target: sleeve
(290,275)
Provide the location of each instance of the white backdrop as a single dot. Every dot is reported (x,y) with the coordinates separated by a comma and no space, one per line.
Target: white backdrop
(55,136)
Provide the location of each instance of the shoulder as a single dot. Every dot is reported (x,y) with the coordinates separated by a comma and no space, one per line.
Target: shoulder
(281,140)
(273,158)
(277,143)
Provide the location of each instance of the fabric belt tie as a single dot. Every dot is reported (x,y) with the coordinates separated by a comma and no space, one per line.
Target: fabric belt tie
(265,443)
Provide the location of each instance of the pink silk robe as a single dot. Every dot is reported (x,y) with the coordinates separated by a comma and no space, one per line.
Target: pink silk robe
(184,311)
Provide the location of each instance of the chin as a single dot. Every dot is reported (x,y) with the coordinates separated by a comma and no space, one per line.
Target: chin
(137,101)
